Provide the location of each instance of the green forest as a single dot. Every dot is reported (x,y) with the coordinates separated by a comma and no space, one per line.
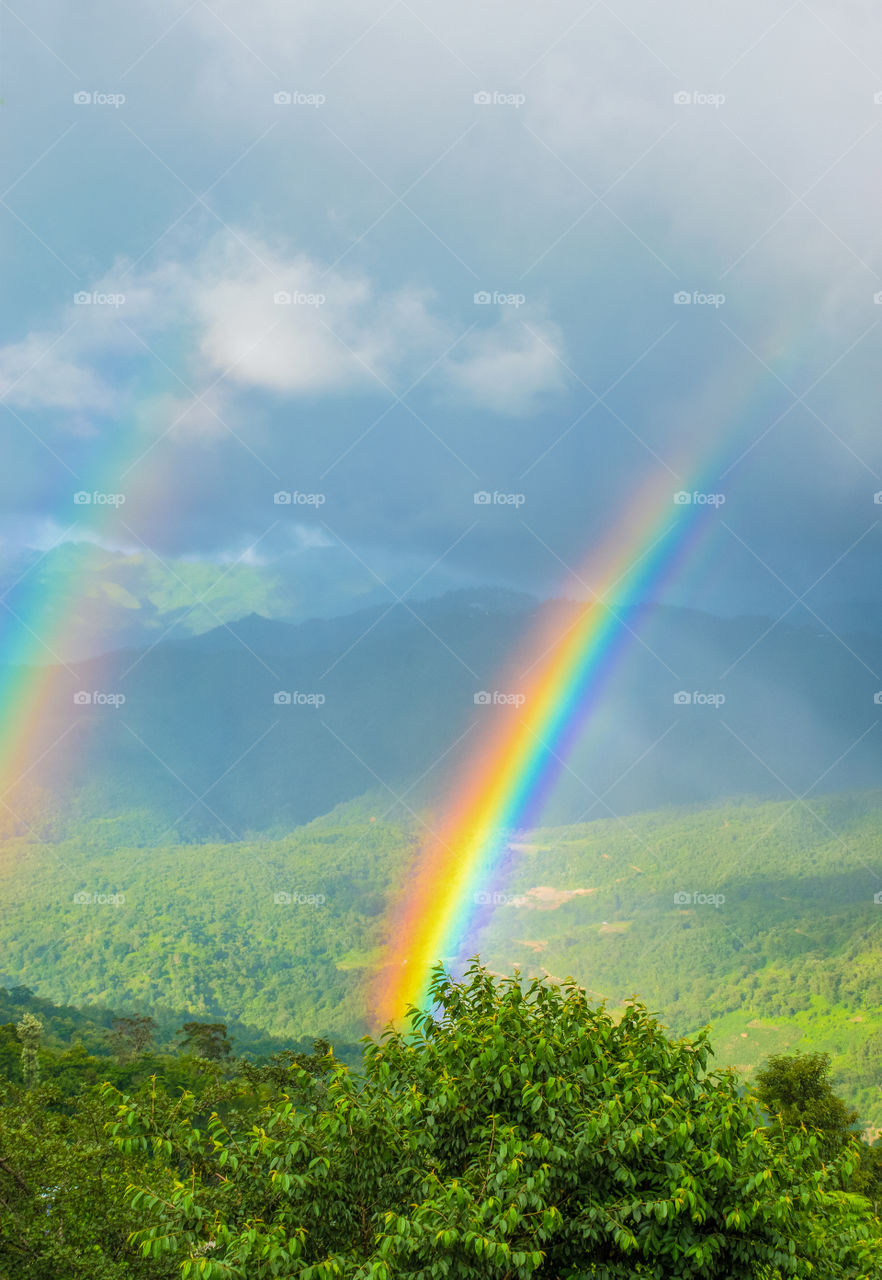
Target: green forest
(279,937)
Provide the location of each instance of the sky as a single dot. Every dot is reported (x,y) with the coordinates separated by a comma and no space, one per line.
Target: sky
(385,257)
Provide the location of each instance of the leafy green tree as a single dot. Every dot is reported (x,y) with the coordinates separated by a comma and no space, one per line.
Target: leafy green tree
(276,1071)
(206,1039)
(796,1088)
(64,1212)
(130,1037)
(516,1132)
(30,1032)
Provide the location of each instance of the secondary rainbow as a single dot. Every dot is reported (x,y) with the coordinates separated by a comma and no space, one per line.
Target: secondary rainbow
(506,782)
(38,716)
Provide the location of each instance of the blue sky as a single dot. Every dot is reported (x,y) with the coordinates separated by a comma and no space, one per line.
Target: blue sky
(628,153)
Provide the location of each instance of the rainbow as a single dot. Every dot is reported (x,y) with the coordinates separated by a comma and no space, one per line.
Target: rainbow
(506,783)
(36,684)
(38,716)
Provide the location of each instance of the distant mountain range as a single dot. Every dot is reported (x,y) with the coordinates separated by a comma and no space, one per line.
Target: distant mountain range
(97,598)
(260,725)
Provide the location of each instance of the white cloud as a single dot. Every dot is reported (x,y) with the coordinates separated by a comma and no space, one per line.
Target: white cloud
(337,331)
(231,327)
(46,371)
(226,313)
(509,367)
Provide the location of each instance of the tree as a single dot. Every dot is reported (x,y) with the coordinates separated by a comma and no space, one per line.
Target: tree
(130,1037)
(64,1212)
(30,1032)
(206,1039)
(796,1088)
(517,1131)
(278,1067)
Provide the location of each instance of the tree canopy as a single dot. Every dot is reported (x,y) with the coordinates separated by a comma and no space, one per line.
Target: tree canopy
(516,1131)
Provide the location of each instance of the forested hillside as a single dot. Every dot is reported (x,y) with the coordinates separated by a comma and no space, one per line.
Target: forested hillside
(765,919)
(283,936)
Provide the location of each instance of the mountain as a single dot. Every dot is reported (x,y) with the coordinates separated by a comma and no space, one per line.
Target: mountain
(131,597)
(261,725)
(760,917)
(338,635)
